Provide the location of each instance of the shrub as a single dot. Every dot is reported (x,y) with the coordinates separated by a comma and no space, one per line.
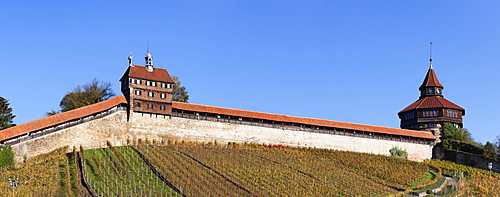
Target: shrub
(6,157)
(398,152)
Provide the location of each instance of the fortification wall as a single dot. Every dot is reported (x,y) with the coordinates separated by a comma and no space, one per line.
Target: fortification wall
(115,129)
(201,130)
(90,134)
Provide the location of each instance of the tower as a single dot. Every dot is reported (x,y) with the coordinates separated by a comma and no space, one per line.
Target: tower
(146,88)
(431,110)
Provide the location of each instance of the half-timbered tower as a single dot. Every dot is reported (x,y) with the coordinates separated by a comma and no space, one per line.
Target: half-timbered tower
(146,88)
(431,110)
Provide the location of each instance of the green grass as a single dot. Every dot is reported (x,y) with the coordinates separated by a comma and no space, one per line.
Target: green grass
(119,171)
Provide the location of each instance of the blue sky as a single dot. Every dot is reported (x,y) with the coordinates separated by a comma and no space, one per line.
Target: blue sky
(352,61)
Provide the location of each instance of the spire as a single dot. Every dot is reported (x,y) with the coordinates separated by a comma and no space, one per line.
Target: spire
(130,58)
(149,61)
(430,54)
(431,80)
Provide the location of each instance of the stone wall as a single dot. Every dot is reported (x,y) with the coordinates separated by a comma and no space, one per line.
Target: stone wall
(115,129)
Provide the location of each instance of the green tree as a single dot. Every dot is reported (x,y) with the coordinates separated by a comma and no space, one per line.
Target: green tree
(497,144)
(398,152)
(87,94)
(179,92)
(454,133)
(6,115)
(489,150)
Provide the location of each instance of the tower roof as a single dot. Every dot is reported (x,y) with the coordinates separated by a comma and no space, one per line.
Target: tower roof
(140,72)
(431,80)
(432,103)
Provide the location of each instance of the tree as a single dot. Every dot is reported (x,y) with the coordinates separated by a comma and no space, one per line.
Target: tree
(489,150)
(398,152)
(6,115)
(179,92)
(90,93)
(497,144)
(454,133)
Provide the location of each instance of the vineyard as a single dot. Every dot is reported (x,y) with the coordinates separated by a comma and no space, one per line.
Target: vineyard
(478,182)
(46,175)
(211,169)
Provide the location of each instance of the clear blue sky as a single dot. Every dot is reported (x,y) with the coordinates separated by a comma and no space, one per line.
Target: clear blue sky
(352,61)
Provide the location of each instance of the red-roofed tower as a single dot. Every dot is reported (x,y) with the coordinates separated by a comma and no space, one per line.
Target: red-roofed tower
(432,110)
(146,88)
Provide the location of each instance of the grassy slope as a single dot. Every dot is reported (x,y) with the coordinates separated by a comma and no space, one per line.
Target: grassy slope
(256,170)
(233,170)
(52,174)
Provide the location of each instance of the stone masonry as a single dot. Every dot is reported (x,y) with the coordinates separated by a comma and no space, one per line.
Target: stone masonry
(115,129)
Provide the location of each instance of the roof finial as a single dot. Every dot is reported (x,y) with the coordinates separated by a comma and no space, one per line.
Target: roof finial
(430,54)
(130,58)
(149,61)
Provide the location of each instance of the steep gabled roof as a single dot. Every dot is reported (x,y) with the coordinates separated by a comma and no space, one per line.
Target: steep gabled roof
(432,103)
(431,80)
(300,120)
(158,74)
(61,118)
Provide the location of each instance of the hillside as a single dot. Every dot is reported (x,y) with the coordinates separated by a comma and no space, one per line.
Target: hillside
(211,169)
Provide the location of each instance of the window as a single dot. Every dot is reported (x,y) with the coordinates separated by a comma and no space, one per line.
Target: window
(138,81)
(137,104)
(452,113)
(150,94)
(162,107)
(153,83)
(430,124)
(150,106)
(409,115)
(430,113)
(165,85)
(163,95)
(148,83)
(137,92)
(169,85)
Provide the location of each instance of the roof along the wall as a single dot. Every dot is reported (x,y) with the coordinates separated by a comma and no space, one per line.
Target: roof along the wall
(117,100)
(61,118)
(300,120)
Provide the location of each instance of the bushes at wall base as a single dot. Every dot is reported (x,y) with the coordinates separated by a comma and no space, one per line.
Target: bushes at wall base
(6,157)
(398,152)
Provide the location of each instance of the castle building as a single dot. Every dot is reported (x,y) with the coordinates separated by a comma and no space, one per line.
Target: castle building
(431,110)
(146,88)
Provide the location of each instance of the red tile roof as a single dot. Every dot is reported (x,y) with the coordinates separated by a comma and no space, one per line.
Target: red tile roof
(300,120)
(102,106)
(431,80)
(158,74)
(61,118)
(432,103)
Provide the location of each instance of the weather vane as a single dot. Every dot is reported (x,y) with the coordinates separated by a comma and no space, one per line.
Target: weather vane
(430,50)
